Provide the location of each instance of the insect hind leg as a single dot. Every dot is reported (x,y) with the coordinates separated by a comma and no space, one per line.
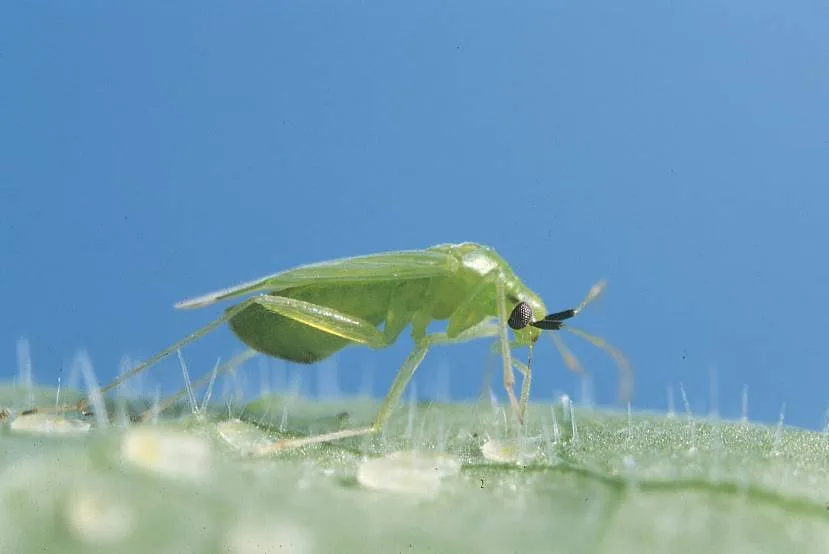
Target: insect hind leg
(196,385)
(83,405)
(319,317)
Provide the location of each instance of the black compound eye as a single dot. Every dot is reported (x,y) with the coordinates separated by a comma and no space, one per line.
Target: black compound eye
(520,316)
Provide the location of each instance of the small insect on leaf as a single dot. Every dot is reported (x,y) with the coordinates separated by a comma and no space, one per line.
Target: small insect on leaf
(306,314)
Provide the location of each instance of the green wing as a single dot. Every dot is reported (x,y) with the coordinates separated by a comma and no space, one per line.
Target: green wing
(388,266)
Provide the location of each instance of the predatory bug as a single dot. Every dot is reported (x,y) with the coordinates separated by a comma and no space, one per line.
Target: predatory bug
(308,313)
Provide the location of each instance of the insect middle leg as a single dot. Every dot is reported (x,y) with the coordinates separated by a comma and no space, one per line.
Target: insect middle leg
(392,399)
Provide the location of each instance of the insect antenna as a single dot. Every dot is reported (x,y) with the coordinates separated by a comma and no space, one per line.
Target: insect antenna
(561,316)
(555,322)
(595,291)
(569,358)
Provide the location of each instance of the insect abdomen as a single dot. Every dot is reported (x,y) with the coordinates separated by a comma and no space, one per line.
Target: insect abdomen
(285,338)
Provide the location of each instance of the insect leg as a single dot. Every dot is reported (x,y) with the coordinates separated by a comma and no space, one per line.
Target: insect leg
(83,404)
(314,315)
(392,399)
(526,381)
(466,313)
(506,356)
(325,319)
(203,380)
(320,317)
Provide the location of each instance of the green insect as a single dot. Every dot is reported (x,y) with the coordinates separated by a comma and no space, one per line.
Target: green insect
(308,313)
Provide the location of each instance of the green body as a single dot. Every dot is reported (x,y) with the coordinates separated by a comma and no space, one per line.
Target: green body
(308,313)
(389,300)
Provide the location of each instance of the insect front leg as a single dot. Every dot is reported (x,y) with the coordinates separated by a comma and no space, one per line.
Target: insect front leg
(526,381)
(526,373)
(506,356)
(470,311)
(392,399)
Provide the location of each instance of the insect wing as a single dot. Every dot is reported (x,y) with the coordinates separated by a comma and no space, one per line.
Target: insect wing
(390,266)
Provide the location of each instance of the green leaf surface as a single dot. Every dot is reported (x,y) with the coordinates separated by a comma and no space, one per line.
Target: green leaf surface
(580,481)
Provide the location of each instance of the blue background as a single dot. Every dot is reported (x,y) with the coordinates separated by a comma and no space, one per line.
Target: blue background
(154,151)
